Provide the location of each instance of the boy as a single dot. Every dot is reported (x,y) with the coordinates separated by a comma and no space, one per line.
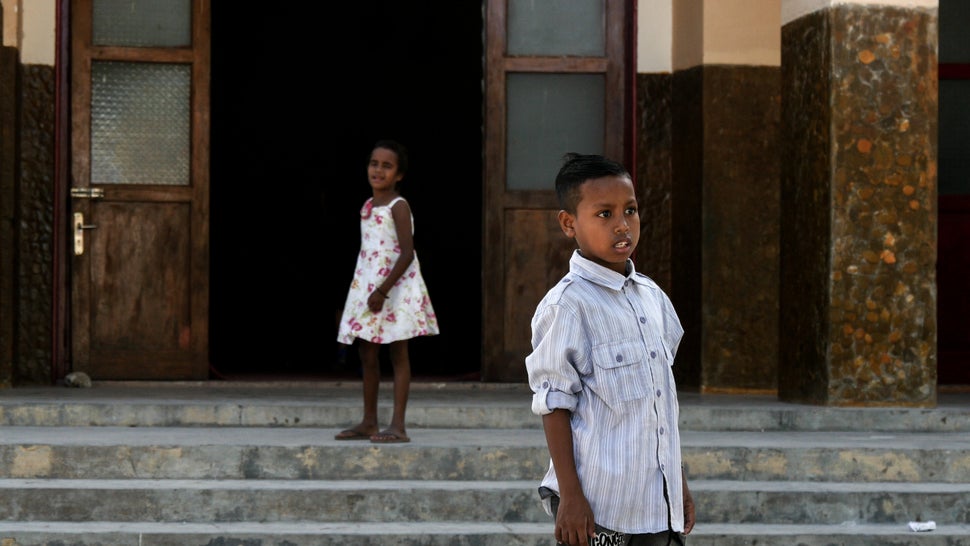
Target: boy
(604,340)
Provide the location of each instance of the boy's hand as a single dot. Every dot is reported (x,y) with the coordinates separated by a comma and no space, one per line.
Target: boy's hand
(690,515)
(574,521)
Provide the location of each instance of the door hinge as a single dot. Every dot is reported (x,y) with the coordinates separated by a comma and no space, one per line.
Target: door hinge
(87,193)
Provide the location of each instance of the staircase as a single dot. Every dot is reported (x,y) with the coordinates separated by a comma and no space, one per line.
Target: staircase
(246,464)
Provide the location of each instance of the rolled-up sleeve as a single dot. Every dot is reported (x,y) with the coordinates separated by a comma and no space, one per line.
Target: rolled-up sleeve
(557,342)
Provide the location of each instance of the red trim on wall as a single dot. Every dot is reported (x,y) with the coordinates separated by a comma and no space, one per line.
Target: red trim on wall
(60,341)
(954,71)
(955,203)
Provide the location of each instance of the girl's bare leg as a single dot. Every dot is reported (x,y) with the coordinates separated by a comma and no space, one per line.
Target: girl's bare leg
(401,362)
(371,371)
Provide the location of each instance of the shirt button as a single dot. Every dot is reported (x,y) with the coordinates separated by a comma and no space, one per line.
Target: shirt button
(658,392)
(545,384)
(619,358)
(653,354)
(643,320)
(661,431)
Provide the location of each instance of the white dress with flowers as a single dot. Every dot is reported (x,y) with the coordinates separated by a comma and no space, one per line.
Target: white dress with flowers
(407,312)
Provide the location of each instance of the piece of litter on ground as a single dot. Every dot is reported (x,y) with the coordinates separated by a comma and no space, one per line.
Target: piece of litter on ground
(922,525)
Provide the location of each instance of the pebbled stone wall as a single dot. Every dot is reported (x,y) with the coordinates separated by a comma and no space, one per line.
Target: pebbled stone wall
(858,304)
(34,212)
(8,176)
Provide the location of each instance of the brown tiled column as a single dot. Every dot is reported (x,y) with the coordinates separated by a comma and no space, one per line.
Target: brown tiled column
(716,202)
(858,206)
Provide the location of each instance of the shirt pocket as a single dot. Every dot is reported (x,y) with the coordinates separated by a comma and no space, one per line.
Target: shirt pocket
(620,371)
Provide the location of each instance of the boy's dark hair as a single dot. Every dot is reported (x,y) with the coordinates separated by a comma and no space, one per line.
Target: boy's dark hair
(578,168)
(397,148)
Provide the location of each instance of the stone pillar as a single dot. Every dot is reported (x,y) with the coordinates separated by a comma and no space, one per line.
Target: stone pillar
(858,212)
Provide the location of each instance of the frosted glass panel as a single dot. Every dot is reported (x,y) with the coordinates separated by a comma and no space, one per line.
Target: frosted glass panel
(549,115)
(954,141)
(555,27)
(142,23)
(140,117)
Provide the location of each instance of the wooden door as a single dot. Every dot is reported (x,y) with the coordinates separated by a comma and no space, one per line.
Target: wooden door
(556,81)
(140,189)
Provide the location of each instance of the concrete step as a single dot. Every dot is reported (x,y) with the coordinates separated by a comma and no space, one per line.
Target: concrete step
(460,533)
(458,454)
(431,405)
(831,503)
(253,465)
(333,501)
(225,501)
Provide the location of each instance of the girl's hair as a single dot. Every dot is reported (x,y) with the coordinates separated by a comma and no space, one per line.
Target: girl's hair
(577,169)
(397,148)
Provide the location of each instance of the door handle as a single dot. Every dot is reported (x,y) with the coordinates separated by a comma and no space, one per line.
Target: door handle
(79,227)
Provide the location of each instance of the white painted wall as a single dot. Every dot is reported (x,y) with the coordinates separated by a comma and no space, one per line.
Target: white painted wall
(742,32)
(688,33)
(30,26)
(654,35)
(731,32)
(11,22)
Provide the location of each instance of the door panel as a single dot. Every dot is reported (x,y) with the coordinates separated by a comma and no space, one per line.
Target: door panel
(140,190)
(532,118)
(537,256)
(144,325)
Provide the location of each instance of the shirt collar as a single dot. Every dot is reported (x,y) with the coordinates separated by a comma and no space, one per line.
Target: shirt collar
(603,276)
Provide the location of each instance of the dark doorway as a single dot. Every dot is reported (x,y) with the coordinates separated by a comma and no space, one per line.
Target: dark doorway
(299,95)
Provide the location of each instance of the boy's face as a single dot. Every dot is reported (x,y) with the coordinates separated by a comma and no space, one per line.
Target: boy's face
(606,225)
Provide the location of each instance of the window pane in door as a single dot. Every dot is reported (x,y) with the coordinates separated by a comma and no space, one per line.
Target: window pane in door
(554,27)
(140,115)
(145,23)
(549,115)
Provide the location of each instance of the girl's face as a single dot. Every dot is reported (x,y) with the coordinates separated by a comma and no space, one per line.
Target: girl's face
(382,169)
(606,225)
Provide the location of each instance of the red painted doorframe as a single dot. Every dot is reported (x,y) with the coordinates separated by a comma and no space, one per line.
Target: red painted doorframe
(952,267)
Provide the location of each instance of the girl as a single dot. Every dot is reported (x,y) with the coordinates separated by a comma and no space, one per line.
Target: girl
(388,301)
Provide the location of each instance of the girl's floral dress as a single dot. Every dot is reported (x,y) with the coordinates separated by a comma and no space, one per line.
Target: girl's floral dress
(407,311)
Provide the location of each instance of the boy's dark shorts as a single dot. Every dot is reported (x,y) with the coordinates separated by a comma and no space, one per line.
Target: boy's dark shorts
(606,537)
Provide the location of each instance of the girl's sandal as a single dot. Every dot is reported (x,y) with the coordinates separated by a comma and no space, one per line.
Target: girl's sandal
(389,437)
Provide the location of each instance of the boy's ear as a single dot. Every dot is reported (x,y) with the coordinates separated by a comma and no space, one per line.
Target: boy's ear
(566,221)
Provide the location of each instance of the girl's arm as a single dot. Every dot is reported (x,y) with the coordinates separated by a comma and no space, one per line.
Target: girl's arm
(574,518)
(401,213)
